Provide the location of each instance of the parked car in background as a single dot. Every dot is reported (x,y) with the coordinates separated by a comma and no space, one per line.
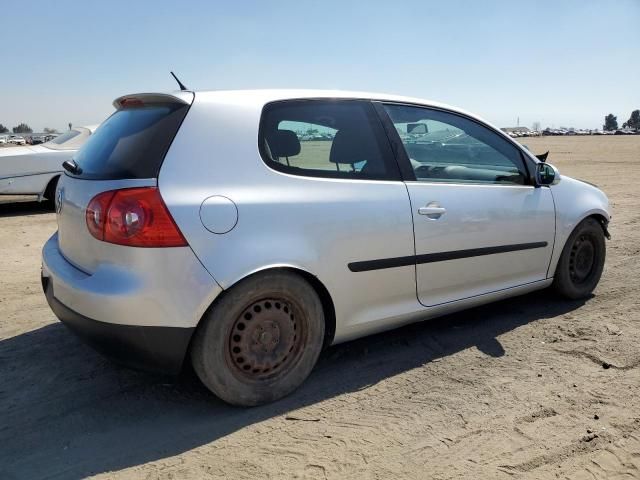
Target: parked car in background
(3,140)
(35,169)
(35,139)
(17,140)
(209,226)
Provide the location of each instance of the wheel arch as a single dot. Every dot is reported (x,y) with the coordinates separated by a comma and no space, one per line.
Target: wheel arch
(327,303)
(601,216)
(49,191)
(319,287)
(603,220)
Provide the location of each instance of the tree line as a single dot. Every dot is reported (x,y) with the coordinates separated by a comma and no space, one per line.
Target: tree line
(611,122)
(24,128)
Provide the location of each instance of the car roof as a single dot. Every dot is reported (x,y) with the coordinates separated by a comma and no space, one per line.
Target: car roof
(271,95)
(264,96)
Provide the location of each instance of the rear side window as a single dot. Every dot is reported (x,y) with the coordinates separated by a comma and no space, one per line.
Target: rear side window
(131,143)
(326,138)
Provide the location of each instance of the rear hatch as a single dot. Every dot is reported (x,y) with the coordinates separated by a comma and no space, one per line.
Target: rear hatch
(126,151)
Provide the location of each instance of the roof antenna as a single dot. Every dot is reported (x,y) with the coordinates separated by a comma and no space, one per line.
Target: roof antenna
(182,87)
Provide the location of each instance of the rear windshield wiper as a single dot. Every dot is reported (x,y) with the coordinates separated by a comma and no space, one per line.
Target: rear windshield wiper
(72,167)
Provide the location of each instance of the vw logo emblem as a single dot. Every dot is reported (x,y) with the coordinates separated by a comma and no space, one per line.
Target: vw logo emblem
(59,199)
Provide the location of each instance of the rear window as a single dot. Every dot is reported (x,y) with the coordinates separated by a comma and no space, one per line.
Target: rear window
(131,143)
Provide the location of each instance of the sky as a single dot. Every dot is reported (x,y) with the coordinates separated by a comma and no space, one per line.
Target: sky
(562,63)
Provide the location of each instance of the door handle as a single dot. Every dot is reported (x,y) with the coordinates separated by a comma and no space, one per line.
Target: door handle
(432,211)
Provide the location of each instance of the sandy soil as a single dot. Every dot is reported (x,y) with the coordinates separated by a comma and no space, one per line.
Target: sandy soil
(532,387)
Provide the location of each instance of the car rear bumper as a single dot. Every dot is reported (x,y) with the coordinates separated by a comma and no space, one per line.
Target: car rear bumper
(141,317)
(157,349)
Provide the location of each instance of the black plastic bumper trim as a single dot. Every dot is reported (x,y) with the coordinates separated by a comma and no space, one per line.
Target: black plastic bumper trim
(156,349)
(367,265)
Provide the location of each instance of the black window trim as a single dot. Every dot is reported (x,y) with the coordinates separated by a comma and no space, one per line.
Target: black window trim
(398,148)
(379,132)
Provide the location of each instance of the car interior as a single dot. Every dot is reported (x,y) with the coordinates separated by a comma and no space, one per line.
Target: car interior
(330,138)
(444,147)
(455,161)
(334,139)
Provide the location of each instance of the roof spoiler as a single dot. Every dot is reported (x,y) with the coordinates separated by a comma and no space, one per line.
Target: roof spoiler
(139,99)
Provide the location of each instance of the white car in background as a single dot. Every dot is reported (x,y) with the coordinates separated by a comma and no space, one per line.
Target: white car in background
(17,140)
(35,169)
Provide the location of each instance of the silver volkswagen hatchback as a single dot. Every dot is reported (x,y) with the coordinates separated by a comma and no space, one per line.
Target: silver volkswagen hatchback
(247,230)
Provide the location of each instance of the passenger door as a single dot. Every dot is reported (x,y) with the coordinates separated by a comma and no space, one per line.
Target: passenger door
(480,225)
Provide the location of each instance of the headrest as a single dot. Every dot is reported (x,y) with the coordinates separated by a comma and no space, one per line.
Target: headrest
(353,146)
(283,143)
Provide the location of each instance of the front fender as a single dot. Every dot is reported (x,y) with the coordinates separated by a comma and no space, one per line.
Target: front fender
(574,201)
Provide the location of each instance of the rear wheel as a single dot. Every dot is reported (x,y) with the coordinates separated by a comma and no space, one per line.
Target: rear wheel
(261,340)
(582,261)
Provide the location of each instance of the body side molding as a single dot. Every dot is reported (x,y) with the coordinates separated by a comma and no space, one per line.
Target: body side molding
(367,265)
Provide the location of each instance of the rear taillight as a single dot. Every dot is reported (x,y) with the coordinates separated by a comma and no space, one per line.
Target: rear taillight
(131,102)
(136,217)
(96,212)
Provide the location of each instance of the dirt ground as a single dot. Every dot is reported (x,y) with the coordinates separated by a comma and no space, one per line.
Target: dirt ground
(532,387)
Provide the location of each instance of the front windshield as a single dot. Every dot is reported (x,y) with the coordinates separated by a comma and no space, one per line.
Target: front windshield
(65,137)
(70,140)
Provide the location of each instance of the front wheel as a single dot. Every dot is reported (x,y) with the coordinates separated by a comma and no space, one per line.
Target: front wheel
(261,340)
(582,261)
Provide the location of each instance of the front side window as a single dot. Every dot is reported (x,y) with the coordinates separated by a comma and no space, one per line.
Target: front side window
(444,147)
(326,138)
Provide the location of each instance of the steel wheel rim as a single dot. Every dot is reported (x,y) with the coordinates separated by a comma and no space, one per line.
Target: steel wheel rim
(582,259)
(266,339)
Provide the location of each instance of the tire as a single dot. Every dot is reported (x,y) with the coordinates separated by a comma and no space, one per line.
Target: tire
(260,340)
(582,261)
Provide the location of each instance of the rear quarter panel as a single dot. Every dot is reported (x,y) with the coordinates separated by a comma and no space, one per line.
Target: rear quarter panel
(315,225)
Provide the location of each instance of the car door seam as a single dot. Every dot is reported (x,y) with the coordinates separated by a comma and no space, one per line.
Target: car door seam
(555,229)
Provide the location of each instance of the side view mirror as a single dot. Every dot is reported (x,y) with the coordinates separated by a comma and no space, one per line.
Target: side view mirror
(546,174)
